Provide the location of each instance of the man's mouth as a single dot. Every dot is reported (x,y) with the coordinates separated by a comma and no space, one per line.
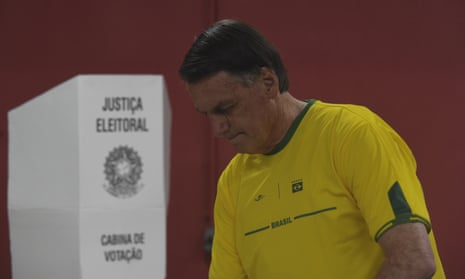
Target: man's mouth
(232,137)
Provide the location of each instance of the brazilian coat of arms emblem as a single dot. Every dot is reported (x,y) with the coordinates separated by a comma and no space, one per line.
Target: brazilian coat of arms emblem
(123,169)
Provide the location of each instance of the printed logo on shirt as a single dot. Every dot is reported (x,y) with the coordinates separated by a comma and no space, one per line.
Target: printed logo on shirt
(297,185)
(281,222)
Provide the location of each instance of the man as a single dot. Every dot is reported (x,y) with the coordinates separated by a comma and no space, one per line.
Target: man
(316,190)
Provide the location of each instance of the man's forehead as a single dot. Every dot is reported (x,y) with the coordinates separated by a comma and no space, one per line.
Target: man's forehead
(213,91)
(213,104)
(216,81)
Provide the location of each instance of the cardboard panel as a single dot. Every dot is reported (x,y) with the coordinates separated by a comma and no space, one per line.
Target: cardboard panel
(45,243)
(126,245)
(123,124)
(88,182)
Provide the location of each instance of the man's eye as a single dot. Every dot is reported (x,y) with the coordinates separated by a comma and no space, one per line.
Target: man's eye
(225,110)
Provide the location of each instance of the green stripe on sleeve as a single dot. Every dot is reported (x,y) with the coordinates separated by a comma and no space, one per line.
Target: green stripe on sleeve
(402,212)
(399,204)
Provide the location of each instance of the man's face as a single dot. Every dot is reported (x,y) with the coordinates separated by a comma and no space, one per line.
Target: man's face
(241,113)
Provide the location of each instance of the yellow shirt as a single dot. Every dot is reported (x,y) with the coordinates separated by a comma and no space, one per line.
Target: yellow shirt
(317,204)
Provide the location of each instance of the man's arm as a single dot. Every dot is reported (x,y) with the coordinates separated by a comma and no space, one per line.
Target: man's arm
(408,253)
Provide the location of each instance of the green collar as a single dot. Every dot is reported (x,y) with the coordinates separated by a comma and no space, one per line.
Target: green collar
(292,129)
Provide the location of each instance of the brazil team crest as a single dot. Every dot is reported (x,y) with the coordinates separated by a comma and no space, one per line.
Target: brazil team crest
(123,169)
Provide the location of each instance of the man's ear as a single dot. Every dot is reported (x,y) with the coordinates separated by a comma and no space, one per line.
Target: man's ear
(270,81)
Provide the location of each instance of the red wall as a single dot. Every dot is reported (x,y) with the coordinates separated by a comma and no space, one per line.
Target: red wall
(403,59)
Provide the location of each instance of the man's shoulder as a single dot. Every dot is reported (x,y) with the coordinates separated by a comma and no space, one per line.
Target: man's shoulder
(342,114)
(341,108)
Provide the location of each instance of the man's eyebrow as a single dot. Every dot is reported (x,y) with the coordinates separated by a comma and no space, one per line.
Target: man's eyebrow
(199,111)
(218,107)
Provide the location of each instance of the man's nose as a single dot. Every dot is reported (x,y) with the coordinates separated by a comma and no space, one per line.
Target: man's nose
(220,124)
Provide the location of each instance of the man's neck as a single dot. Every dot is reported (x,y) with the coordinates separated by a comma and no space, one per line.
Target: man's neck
(287,111)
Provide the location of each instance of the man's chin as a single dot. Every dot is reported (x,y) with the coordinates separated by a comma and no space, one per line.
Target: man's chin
(242,148)
(239,148)
(241,144)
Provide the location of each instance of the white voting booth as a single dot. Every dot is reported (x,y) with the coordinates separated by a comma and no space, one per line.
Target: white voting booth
(89,179)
